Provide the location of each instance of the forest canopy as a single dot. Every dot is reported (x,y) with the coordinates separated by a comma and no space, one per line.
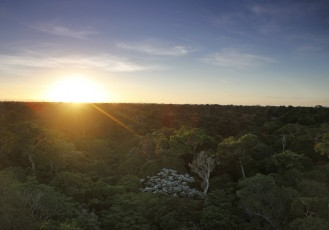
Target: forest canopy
(163,166)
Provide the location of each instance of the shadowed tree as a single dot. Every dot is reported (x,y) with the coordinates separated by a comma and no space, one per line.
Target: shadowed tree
(309,223)
(186,140)
(288,160)
(238,149)
(147,146)
(31,139)
(14,214)
(262,199)
(220,211)
(323,145)
(43,151)
(44,202)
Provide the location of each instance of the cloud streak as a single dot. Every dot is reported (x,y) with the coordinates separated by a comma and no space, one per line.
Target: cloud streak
(155,48)
(235,59)
(16,63)
(64,31)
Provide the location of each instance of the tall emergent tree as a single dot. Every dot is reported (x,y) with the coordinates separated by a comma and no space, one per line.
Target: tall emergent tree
(203,165)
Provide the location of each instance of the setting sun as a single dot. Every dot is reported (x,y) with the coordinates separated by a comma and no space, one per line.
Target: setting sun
(76,89)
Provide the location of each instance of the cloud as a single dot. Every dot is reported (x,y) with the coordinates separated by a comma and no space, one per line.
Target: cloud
(17,63)
(235,59)
(155,47)
(59,30)
(288,15)
(308,48)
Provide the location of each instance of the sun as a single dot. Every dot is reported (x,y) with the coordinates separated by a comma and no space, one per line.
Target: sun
(76,89)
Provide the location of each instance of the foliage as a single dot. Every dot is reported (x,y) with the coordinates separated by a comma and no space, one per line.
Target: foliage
(129,211)
(13,213)
(30,204)
(310,188)
(220,211)
(169,182)
(130,183)
(186,140)
(309,206)
(288,160)
(75,185)
(310,223)
(70,167)
(262,199)
(323,145)
(238,150)
(43,201)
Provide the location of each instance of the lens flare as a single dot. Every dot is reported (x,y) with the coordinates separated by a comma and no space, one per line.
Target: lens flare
(76,89)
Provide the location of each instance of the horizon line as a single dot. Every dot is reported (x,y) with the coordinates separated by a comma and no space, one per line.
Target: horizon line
(159,103)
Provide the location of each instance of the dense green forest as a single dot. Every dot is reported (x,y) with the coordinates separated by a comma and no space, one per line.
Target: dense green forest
(153,166)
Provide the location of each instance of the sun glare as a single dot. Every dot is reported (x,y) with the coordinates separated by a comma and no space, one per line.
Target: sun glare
(76,89)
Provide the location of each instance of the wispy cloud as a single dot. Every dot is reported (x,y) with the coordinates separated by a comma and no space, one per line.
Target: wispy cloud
(16,63)
(286,16)
(285,10)
(60,30)
(259,9)
(308,48)
(155,47)
(235,59)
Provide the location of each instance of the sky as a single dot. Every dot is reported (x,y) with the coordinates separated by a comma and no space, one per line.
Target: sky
(240,52)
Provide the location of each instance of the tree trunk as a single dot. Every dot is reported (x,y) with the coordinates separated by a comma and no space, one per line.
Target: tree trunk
(206,181)
(32,163)
(242,168)
(283,142)
(194,148)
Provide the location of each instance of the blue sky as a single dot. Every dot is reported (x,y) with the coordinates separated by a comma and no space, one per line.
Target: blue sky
(217,52)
